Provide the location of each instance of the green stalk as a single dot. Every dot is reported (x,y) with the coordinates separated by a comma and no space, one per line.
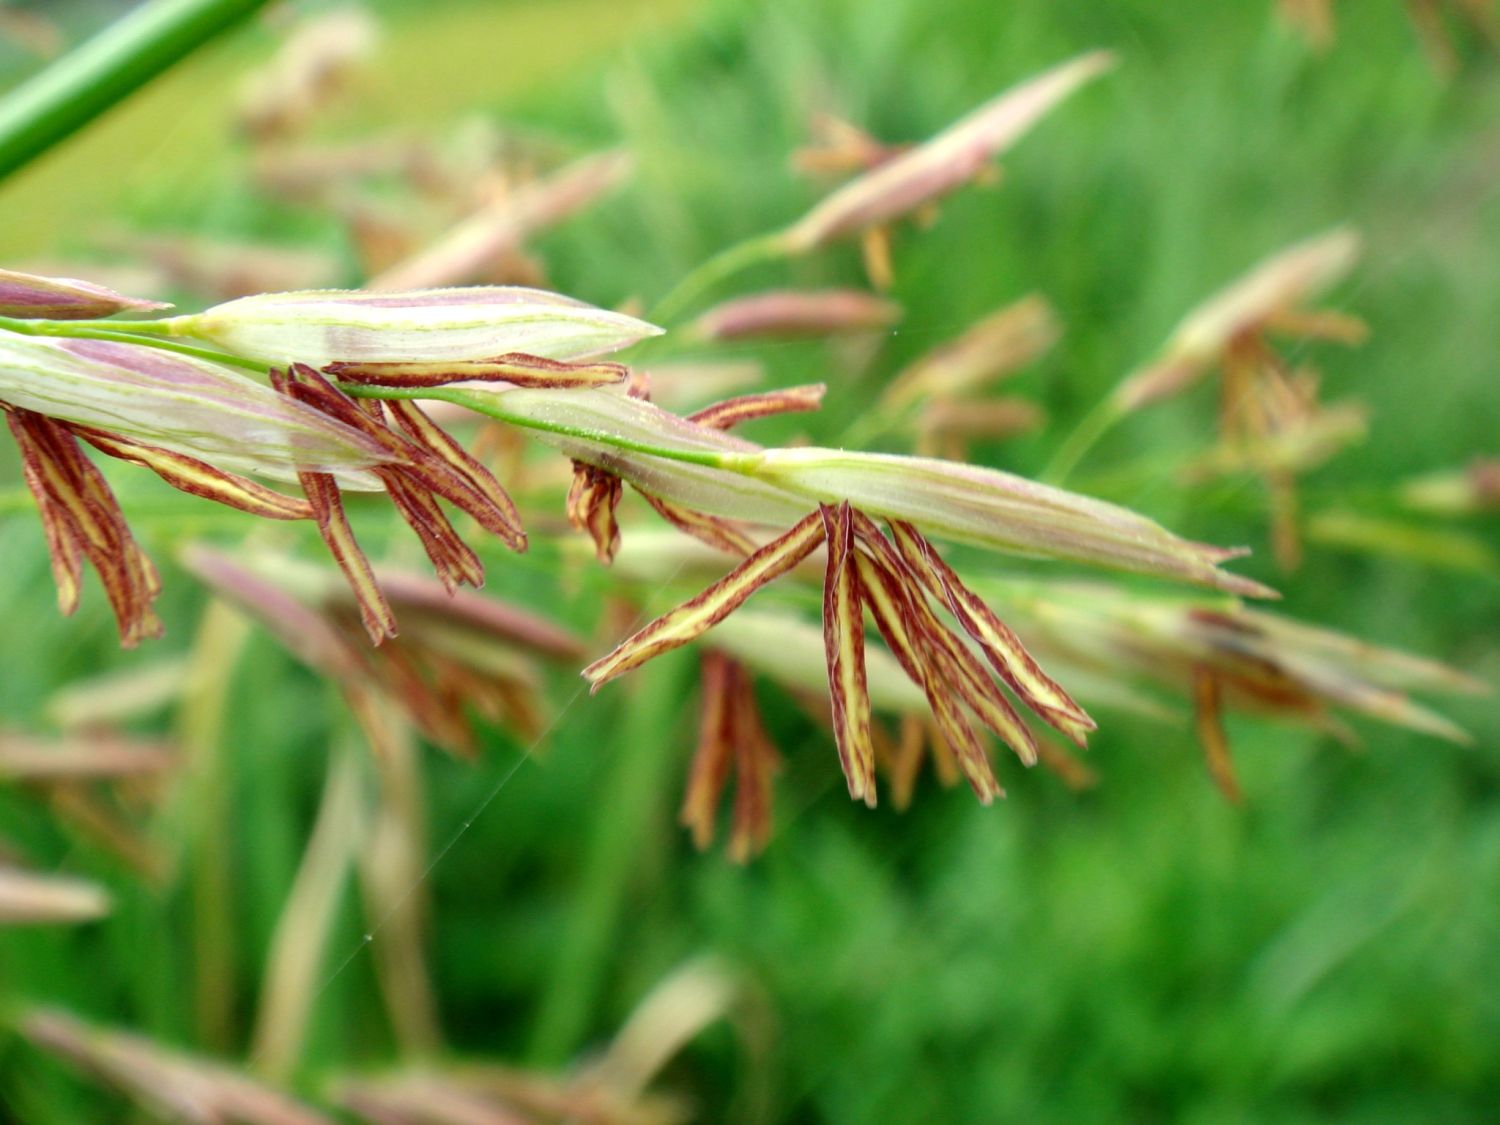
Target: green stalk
(289,988)
(727,263)
(874,424)
(590,944)
(104,71)
(490,407)
(1087,434)
(201,722)
(145,332)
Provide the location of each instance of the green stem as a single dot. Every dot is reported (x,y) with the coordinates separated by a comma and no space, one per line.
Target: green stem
(201,723)
(104,71)
(725,264)
(77,327)
(1087,434)
(492,406)
(875,423)
(145,332)
(590,944)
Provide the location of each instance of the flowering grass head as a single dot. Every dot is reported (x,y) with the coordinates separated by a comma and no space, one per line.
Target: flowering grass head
(350,367)
(902,580)
(201,422)
(321,327)
(788,313)
(196,424)
(1225,657)
(1229,327)
(1271,419)
(459,652)
(925,173)
(28,295)
(990,350)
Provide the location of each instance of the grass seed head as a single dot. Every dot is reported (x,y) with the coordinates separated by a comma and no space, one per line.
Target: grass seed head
(322,327)
(927,172)
(789,313)
(27,296)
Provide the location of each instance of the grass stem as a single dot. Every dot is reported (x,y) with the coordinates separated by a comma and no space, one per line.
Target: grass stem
(642,757)
(202,721)
(491,406)
(102,72)
(1087,434)
(146,332)
(722,266)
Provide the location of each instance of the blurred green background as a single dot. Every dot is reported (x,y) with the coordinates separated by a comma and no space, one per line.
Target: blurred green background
(1141,951)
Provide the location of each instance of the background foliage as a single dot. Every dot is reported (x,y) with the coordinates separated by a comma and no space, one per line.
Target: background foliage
(1143,950)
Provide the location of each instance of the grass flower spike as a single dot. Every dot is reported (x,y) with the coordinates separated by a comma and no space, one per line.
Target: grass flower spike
(434,325)
(929,171)
(460,652)
(788,313)
(142,397)
(1271,420)
(195,424)
(999,511)
(1272,297)
(514,354)
(707,533)
(1223,657)
(900,577)
(63,298)
(731,737)
(894,577)
(990,350)
(898,182)
(190,406)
